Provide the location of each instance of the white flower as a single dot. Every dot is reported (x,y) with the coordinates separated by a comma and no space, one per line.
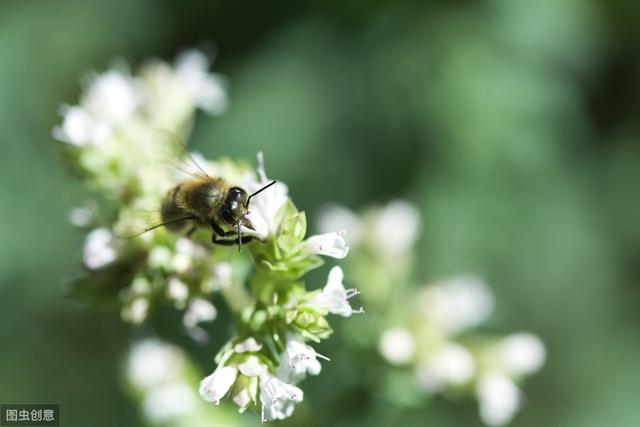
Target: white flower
(499,399)
(177,290)
(252,367)
(395,227)
(264,208)
(336,217)
(214,387)
(199,310)
(137,311)
(168,402)
(453,364)
(112,97)
(206,89)
(80,128)
(249,345)
(160,257)
(397,346)
(456,304)
(334,297)
(329,244)
(80,216)
(278,398)
(297,361)
(100,248)
(152,362)
(522,353)
(246,389)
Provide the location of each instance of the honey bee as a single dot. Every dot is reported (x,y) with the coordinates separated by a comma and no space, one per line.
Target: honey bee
(205,201)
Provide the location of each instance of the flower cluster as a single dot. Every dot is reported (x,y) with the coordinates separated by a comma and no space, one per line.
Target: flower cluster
(121,136)
(262,366)
(434,336)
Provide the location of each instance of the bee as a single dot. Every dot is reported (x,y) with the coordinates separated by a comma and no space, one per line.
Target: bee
(204,201)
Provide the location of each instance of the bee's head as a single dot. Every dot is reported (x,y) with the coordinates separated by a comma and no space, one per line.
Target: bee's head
(234,209)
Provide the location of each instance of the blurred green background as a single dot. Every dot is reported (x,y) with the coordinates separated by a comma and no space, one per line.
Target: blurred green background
(513,125)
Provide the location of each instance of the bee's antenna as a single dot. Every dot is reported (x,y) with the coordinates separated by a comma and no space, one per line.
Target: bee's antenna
(259,191)
(239,237)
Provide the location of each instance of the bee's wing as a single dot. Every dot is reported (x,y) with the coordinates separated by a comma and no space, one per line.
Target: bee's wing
(178,157)
(136,222)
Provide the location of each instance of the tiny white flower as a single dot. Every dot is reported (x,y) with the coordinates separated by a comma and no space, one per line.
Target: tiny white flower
(80,128)
(138,310)
(453,365)
(249,345)
(152,362)
(499,399)
(329,244)
(395,227)
(298,360)
(160,257)
(252,367)
(99,248)
(397,346)
(181,262)
(206,89)
(278,398)
(80,216)
(336,217)
(214,387)
(456,304)
(199,310)
(264,208)
(522,353)
(111,97)
(334,297)
(168,402)
(177,290)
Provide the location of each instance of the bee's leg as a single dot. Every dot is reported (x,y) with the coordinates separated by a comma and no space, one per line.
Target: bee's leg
(219,231)
(225,242)
(191,231)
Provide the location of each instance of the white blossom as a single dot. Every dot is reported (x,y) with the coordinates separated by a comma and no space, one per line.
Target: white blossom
(328,244)
(249,345)
(80,128)
(252,367)
(263,210)
(199,310)
(522,353)
(168,402)
(499,399)
(80,216)
(297,361)
(278,398)
(397,346)
(177,290)
(152,362)
(137,310)
(453,365)
(395,227)
(456,304)
(100,248)
(334,297)
(160,257)
(112,97)
(336,217)
(214,387)
(206,89)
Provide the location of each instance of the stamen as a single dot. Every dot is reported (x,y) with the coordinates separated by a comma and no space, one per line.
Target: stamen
(352,292)
(323,357)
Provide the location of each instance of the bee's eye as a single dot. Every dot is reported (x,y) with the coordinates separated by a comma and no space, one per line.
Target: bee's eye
(227,216)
